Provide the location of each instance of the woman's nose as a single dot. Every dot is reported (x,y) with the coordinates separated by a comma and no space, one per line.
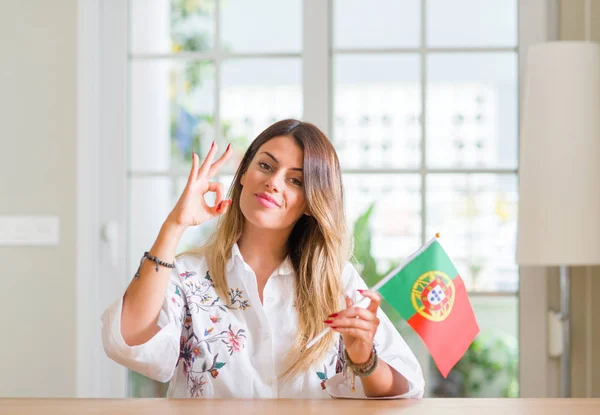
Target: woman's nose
(274,183)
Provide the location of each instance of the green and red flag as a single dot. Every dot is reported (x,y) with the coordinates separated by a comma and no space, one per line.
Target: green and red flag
(431,296)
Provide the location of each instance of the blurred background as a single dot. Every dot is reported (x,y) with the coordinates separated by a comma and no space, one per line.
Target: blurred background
(424,125)
(104,102)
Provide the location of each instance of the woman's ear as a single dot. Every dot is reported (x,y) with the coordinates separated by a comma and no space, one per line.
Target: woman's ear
(242,179)
(306,210)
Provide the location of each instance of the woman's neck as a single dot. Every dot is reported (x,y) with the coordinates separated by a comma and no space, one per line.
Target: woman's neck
(263,248)
(263,245)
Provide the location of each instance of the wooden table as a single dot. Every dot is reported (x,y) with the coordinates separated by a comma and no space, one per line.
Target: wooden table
(300,407)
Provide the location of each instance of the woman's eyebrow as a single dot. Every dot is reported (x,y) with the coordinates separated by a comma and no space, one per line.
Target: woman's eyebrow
(276,161)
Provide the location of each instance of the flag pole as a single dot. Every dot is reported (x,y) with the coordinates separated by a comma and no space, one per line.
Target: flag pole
(376,287)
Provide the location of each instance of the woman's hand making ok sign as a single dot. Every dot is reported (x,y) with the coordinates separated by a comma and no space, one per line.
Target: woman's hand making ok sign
(191,208)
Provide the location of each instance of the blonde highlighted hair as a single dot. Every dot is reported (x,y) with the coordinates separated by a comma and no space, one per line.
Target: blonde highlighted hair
(318,244)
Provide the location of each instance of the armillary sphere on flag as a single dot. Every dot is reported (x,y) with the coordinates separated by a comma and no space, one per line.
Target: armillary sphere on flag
(433,295)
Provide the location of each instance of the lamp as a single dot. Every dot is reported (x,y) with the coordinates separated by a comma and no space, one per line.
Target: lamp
(559,181)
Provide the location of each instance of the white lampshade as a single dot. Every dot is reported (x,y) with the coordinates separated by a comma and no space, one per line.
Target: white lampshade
(559,183)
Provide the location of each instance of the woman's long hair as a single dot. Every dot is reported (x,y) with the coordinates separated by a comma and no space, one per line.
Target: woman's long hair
(318,244)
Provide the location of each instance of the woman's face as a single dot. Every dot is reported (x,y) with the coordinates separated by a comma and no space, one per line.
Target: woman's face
(273,186)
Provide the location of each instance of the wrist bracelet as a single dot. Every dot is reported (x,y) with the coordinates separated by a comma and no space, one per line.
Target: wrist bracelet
(363,369)
(156,260)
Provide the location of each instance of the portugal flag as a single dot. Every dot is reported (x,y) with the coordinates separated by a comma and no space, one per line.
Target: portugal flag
(430,295)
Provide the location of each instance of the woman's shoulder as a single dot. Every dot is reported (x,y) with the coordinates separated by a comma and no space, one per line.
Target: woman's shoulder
(191,262)
(351,278)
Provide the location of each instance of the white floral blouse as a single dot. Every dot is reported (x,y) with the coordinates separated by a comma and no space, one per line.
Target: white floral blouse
(209,349)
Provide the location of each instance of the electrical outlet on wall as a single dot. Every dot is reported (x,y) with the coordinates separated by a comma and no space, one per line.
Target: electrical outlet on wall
(29,230)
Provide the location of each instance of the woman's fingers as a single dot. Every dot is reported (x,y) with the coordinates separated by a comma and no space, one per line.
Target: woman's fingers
(205,167)
(222,207)
(194,169)
(354,313)
(354,321)
(355,327)
(219,163)
(357,323)
(351,322)
(374,297)
(218,189)
(360,334)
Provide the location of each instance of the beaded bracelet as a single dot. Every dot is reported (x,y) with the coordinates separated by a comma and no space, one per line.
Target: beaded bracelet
(362,369)
(156,260)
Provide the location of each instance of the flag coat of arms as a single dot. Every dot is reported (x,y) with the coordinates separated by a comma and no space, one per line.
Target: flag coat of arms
(431,296)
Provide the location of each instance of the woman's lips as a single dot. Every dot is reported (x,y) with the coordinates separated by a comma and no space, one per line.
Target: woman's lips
(266,202)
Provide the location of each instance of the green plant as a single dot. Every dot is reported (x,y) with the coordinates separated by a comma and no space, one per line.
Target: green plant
(364,261)
(366,264)
(488,369)
(142,387)
(475,266)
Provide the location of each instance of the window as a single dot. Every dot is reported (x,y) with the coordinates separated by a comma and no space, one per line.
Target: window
(423,112)
(425,104)
(191,84)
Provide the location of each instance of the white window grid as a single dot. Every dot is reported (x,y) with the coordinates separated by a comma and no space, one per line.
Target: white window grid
(318,19)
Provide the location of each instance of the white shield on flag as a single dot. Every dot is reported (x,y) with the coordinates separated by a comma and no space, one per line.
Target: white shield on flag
(436,295)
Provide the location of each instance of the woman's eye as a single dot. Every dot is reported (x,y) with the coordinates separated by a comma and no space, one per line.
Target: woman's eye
(264,166)
(297,182)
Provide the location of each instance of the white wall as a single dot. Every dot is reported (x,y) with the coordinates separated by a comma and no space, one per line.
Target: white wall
(38,81)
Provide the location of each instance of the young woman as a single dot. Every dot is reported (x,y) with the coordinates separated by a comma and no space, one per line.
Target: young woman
(233,318)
